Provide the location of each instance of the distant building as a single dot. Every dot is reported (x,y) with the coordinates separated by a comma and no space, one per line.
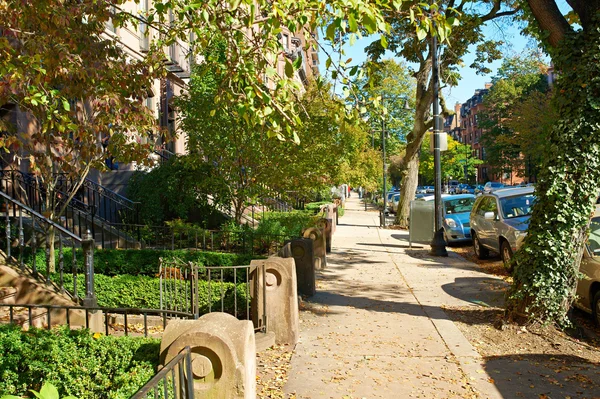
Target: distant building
(470,132)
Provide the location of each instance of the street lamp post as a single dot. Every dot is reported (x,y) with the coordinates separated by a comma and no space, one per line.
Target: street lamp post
(383,158)
(438,243)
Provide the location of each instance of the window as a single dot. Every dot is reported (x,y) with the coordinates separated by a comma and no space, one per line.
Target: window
(285,42)
(143,26)
(109,24)
(150,103)
(513,207)
(488,204)
(461,205)
(594,238)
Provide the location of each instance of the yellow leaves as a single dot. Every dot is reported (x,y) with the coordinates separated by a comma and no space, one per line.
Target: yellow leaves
(97,335)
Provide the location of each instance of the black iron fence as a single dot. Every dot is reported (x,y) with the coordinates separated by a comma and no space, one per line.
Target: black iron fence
(28,231)
(112,321)
(93,207)
(175,380)
(194,238)
(186,287)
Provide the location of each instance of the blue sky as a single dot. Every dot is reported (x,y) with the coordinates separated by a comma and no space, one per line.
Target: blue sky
(515,43)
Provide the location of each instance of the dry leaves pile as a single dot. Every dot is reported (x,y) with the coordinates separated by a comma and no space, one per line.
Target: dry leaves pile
(272,367)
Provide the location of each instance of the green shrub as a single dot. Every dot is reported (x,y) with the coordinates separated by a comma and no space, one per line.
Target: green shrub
(75,362)
(287,223)
(144,262)
(182,188)
(315,206)
(126,291)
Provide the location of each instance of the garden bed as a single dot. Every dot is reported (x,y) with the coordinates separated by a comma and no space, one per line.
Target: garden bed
(76,362)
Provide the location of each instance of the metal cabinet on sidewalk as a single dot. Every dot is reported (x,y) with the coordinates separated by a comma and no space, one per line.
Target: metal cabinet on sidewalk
(421,222)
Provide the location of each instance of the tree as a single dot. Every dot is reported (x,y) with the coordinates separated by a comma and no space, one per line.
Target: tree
(516,81)
(393,86)
(546,267)
(76,87)
(457,162)
(533,120)
(248,165)
(251,31)
(414,47)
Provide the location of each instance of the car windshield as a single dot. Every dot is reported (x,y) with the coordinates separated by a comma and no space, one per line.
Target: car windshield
(459,205)
(514,207)
(496,185)
(594,238)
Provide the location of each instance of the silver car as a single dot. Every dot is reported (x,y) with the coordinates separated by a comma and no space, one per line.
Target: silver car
(499,221)
(588,288)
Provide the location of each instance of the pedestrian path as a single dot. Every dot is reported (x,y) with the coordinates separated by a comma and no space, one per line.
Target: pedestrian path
(376,329)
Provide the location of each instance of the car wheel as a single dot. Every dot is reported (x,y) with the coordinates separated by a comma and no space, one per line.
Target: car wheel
(480,251)
(506,254)
(596,308)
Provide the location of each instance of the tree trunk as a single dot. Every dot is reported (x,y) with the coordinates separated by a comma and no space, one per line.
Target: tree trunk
(410,162)
(546,267)
(410,177)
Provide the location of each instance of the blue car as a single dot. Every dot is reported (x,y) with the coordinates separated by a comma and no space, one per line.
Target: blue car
(457,209)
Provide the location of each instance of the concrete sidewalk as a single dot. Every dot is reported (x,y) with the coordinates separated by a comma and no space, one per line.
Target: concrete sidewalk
(376,328)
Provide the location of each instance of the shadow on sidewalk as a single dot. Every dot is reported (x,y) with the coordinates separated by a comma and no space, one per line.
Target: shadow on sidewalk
(391,298)
(544,376)
(478,290)
(387,245)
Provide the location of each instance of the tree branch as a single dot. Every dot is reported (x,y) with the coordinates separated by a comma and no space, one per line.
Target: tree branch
(495,12)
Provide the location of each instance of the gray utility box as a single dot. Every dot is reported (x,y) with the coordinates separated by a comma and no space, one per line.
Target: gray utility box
(422,222)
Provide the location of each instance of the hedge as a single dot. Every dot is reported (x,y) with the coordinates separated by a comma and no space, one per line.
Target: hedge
(315,207)
(144,262)
(126,291)
(286,223)
(77,363)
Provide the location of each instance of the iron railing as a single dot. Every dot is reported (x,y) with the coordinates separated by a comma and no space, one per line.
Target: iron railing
(94,207)
(187,287)
(115,321)
(38,225)
(175,380)
(194,238)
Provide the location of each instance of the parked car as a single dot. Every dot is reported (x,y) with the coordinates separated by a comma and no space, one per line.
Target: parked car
(456,211)
(453,186)
(429,189)
(465,189)
(499,221)
(390,194)
(491,186)
(478,189)
(588,288)
(421,190)
(394,203)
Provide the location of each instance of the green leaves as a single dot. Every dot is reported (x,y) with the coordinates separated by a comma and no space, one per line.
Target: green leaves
(76,363)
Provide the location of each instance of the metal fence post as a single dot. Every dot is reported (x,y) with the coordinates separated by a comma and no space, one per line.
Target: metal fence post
(88,259)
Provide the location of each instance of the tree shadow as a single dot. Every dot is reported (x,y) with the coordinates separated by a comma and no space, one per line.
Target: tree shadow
(544,376)
(386,245)
(390,298)
(483,291)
